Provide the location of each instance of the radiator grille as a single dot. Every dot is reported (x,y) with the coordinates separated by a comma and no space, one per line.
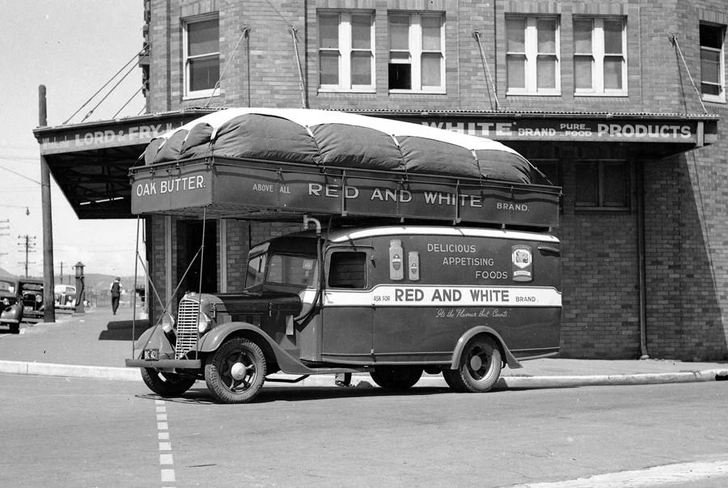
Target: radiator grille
(187,331)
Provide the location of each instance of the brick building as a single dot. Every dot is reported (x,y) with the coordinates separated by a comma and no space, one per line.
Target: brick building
(618,102)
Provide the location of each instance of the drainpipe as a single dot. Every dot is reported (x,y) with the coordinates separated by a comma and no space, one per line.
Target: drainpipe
(641,260)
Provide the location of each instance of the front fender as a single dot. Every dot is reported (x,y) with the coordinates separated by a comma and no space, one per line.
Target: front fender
(211,341)
(508,356)
(12,314)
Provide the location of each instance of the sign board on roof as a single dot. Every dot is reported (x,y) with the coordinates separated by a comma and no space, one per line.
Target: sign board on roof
(584,130)
(252,162)
(249,189)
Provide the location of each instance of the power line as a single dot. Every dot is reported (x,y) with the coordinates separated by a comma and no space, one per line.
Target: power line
(18,174)
(15,159)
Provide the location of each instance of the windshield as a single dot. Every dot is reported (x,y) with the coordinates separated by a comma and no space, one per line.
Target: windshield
(281,269)
(7,286)
(256,271)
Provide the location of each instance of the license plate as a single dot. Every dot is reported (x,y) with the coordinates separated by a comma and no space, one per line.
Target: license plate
(27,308)
(150,354)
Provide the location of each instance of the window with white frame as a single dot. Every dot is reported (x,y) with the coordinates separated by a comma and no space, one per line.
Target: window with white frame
(600,59)
(712,69)
(201,51)
(346,51)
(532,56)
(416,52)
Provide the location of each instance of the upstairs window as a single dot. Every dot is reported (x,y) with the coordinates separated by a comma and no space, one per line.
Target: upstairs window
(712,69)
(416,53)
(201,43)
(346,51)
(532,56)
(600,61)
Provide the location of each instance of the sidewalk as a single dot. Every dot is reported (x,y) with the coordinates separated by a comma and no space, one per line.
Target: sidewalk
(96,343)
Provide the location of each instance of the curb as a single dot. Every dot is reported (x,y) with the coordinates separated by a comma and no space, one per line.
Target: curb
(504,383)
(522,382)
(69,371)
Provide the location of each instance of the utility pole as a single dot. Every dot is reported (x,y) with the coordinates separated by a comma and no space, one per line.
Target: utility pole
(28,242)
(61,272)
(49,307)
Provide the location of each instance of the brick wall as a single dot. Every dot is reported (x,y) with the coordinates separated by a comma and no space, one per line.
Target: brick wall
(685,198)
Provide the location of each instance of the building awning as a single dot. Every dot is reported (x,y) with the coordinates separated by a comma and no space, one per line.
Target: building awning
(646,135)
(91,161)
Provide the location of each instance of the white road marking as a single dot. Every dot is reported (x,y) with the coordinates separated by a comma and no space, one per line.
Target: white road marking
(642,478)
(167,475)
(166,460)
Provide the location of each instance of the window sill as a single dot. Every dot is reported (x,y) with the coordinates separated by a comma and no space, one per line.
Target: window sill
(532,94)
(712,99)
(602,95)
(201,94)
(345,90)
(418,92)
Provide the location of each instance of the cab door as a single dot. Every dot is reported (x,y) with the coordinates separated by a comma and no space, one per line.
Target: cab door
(347,311)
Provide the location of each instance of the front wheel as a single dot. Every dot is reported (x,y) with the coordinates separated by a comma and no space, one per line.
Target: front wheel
(236,371)
(396,377)
(480,367)
(166,384)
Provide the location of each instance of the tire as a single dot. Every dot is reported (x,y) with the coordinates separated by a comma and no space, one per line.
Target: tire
(167,384)
(236,371)
(396,377)
(480,367)
(15,328)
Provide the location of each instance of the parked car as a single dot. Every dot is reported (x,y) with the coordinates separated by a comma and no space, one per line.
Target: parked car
(65,296)
(20,299)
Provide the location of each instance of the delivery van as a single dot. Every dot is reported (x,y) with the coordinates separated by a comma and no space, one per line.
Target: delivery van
(391,301)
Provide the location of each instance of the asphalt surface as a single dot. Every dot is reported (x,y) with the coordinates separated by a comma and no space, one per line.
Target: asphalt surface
(95,344)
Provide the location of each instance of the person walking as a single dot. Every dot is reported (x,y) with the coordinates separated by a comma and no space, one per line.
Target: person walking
(115,289)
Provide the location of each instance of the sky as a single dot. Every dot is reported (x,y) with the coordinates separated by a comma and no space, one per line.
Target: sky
(73,47)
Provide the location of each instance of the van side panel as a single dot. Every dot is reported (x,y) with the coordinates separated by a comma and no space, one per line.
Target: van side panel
(425,291)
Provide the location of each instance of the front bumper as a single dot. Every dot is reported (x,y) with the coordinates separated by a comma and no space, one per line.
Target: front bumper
(164,363)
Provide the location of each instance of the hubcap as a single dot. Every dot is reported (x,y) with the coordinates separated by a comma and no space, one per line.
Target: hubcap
(476,363)
(239,371)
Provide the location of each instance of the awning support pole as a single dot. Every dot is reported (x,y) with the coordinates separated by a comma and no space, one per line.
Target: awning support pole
(49,301)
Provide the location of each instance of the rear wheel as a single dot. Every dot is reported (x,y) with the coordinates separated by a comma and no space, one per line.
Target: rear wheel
(236,371)
(396,377)
(480,367)
(15,328)
(166,384)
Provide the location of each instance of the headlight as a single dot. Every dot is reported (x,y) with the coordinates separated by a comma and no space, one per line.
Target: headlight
(6,302)
(167,323)
(38,298)
(204,323)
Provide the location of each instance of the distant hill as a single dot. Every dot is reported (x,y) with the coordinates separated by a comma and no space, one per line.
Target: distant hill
(102,282)
(93,281)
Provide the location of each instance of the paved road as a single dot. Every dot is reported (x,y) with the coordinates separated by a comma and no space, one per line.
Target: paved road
(70,432)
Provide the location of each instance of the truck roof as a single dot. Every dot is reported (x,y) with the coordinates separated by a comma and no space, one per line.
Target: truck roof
(343,235)
(304,240)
